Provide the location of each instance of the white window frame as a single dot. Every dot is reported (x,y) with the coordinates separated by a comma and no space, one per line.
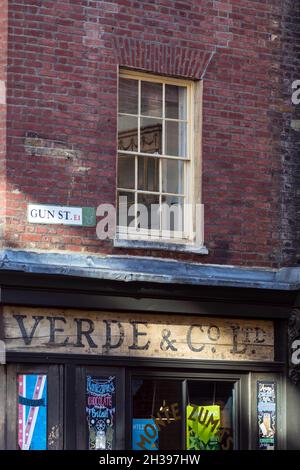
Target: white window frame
(192,163)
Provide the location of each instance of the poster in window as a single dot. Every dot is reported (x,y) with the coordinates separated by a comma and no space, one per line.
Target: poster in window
(202,427)
(266,415)
(32,412)
(101,412)
(144,434)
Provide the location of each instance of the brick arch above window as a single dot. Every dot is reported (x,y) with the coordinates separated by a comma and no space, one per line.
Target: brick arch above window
(165,59)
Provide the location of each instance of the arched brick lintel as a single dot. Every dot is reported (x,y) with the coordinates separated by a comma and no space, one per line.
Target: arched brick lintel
(164,59)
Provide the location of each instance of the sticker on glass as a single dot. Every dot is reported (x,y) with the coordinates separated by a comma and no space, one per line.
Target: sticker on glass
(202,427)
(32,412)
(144,434)
(266,415)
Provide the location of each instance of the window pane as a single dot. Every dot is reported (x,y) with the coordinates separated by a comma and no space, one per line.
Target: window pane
(210,424)
(128,133)
(149,217)
(157,414)
(172,176)
(32,412)
(176,138)
(126,171)
(128,96)
(151,99)
(125,204)
(176,102)
(172,213)
(101,412)
(151,135)
(148,171)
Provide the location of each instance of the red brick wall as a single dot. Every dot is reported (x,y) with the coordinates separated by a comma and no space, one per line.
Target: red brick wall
(289,117)
(62,87)
(3,64)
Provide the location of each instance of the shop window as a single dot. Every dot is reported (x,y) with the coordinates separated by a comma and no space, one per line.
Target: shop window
(157,414)
(161,421)
(100,408)
(156,161)
(210,416)
(34,412)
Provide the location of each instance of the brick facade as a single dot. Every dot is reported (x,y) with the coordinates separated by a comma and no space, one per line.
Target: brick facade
(290,137)
(62,64)
(3,80)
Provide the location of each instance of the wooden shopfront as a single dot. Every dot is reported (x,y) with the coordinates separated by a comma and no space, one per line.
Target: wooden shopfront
(134,378)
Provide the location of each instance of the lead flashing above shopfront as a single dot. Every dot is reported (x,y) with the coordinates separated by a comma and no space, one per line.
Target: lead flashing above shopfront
(146,269)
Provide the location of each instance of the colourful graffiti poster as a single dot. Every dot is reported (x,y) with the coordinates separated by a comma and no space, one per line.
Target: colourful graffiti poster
(144,434)
(32,412)
(203,425)
(101,412)
(266,415)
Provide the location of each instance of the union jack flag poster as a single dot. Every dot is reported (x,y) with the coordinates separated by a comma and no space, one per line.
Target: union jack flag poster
(32,412)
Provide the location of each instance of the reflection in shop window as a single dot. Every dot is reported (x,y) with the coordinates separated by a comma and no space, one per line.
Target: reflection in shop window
(32,412)
(101,412)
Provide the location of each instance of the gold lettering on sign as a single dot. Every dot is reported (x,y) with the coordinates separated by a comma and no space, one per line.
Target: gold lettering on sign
(137,334)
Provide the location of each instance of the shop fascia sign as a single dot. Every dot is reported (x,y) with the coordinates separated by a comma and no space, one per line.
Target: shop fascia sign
(136,334)
(62,215)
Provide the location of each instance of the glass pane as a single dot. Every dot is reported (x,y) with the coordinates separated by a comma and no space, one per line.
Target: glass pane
(176,138)
(157,414)
(176,102)
(126,210)
(172,176)
(172,213)
(209,416)
(148,217)
(32,412)
(126,171)
(128,133)
(148,171)
(128,96)
(151,135)
(151,99)
(101,412)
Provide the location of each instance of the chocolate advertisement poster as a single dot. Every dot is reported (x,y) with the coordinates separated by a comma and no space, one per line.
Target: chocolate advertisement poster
(101,412)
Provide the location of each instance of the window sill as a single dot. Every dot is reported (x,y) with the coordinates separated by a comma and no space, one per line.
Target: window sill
(158,245)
